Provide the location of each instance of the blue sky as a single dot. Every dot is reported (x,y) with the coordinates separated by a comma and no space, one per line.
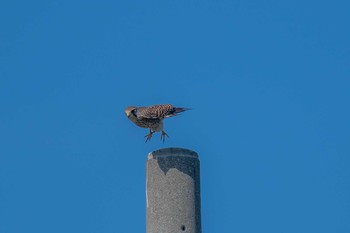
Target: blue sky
(268,82)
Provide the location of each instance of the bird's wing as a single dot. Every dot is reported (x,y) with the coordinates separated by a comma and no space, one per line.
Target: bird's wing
(155,111)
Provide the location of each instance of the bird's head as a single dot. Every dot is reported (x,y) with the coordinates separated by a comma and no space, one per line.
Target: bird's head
(128,110)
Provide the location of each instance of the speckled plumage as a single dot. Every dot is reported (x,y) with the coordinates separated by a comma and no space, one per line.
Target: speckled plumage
(152,117)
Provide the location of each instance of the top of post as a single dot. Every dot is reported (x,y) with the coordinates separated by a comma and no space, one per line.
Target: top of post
(172,151)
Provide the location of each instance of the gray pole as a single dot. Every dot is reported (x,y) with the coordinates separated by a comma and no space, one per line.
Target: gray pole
(173,191)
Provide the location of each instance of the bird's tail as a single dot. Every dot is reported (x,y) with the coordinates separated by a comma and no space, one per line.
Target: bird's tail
(178,110)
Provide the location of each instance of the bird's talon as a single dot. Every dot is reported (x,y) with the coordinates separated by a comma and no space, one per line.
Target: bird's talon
(148,136)
(163,135)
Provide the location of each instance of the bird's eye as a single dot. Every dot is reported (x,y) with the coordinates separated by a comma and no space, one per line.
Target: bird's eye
(133,112)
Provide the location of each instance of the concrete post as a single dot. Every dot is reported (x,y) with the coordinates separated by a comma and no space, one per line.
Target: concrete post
(173,191)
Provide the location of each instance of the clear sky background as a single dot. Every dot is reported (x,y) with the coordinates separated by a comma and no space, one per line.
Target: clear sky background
(268,81)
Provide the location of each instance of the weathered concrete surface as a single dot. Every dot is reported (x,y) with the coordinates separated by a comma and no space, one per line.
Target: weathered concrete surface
(173,191)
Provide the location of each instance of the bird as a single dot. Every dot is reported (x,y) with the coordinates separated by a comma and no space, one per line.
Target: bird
(151,117)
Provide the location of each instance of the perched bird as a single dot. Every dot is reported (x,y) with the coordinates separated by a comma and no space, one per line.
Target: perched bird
(152,117)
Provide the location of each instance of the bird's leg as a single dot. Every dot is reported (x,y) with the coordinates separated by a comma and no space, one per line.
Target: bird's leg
(149,136)
(163,135)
